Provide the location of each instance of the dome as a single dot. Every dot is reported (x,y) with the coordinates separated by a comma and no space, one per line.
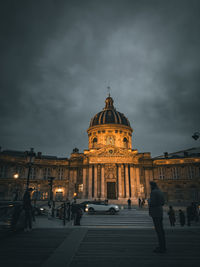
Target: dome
(109,115)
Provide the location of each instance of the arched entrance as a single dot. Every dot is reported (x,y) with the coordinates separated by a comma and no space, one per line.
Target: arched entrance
(111,190)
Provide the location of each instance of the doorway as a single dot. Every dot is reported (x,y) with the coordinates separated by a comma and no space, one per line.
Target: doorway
(59,196)
(111,190)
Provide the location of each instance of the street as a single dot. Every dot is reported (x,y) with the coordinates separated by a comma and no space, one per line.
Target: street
(126,239)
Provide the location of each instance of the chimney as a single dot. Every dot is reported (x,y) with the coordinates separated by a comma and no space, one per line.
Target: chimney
(166,155)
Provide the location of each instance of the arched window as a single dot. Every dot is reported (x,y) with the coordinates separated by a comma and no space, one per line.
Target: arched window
(125,142)
(94,142)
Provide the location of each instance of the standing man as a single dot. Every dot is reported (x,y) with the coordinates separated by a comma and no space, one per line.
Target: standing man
(129,203)
(156,202)
(139,202)
(28,210)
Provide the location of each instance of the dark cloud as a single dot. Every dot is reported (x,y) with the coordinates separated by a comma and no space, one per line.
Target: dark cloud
(58,57)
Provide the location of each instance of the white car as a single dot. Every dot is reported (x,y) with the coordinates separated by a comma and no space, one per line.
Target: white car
(102,207)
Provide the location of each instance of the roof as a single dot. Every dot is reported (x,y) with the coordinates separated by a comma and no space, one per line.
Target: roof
(191,152)
(109,115)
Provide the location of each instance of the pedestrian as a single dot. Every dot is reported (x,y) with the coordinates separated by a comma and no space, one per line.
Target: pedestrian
(142,203)
(129,203)
(28,210)
(156,212)
(171,214)
(181,218)
(139,202)
(76,213)
(68,208)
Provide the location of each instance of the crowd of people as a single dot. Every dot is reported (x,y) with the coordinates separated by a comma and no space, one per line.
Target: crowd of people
(192,214)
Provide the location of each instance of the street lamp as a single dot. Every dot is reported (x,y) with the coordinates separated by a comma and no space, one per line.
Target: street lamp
(196,135)
(30,158)
(16,176)
(50,179)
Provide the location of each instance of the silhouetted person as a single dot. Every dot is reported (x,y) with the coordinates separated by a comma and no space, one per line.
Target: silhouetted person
(139,202)
(129,203)
(181,218)
(76,213)
(68,210)
(156,202)
(171,215)
(142,202)
(28,210)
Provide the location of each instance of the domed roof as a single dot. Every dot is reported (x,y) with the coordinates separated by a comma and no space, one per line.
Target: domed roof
(109,115)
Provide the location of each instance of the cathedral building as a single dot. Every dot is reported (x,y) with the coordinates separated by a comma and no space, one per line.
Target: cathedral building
(109,169)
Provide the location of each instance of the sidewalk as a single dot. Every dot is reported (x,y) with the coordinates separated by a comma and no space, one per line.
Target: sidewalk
(127,248)
(99,247)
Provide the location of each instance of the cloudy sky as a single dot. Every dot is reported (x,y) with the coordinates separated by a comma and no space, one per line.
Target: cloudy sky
(58,57)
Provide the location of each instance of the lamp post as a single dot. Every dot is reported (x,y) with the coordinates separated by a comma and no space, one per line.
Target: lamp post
(196,136)
(50,179)
(16,176)
(30,158)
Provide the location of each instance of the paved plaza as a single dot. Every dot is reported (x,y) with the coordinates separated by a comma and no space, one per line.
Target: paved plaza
(102,240)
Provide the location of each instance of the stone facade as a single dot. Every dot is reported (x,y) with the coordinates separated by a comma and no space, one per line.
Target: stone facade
(109,169)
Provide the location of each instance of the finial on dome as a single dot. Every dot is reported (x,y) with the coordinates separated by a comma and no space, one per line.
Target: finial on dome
(108,91)
(109,101)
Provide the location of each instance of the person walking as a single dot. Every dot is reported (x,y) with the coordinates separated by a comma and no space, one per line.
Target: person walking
(171,214)
(139,202)
(129,203)
(156,202)
(142,203)
(28,210)
(181,218)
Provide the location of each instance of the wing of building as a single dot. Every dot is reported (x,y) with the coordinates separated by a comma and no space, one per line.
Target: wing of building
(111,168)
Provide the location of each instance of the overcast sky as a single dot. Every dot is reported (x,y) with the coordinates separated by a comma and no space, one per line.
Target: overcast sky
(57,58)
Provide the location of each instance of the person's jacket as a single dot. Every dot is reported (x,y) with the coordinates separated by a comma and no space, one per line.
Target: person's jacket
(27,201)
(156,202)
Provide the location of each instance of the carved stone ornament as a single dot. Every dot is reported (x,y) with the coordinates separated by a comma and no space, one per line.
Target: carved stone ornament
(110,171)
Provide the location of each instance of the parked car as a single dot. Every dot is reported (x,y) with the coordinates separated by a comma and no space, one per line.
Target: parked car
(102,206)
(83,204)
(40,210)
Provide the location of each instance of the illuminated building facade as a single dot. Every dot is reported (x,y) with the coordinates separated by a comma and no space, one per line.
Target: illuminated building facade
(110,169)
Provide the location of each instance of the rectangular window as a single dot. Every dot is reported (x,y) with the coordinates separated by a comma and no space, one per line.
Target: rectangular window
(46,173)
(161,173)
(190,170)
(3,171)
(19,170)
(80,188)
(33,173)
(60,173)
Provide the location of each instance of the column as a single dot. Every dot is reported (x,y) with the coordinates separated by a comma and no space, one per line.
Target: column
(102,183)
(119,181)
(75,176)
(132,182)
(127,181)
(95,181)
(90,183)
(137,175)
(84,183)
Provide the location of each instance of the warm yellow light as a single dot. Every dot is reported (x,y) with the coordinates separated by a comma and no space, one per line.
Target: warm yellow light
(59,190)
(16,176)
(75,194)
